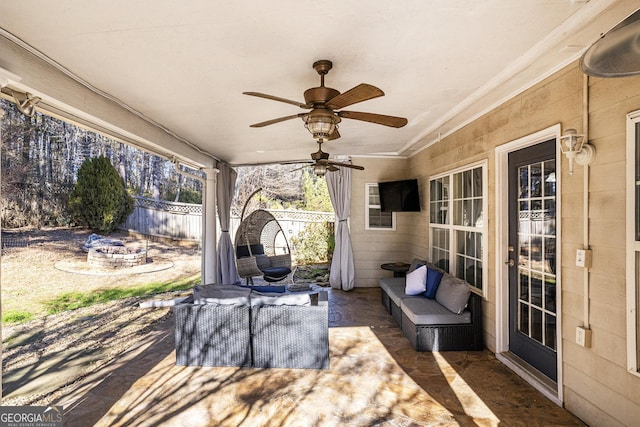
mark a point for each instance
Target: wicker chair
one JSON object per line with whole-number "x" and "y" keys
{"x": 257, "y": 249}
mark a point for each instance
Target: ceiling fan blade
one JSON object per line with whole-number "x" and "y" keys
{"x": 296, "y": 162}
{"x": 334, "y": 135}
{"x": 381, "y": 119}
{"x": 341, "y": 165}
{"x": 278, "y": 120}
{"x": 277, "y": 98}
{"x": 332, "y": 168}
{"x": 362, "y": 92}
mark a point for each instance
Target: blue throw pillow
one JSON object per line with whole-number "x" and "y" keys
{"x": 433, "y": 281}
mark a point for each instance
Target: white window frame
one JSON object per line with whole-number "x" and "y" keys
{"x": 633, "y": 250}
{"x": 484, "y": 230}
{"x": 367, "y": 206}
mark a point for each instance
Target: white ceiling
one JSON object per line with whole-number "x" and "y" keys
{"x": 185, "y": 64}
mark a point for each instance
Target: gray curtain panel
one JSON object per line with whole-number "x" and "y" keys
{"x": 342, "y": 275}
{"x": 227, "y": 272}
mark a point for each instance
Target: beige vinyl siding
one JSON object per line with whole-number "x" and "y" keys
{"x": 374, "y": 247}
{"x": 596, "y": 385}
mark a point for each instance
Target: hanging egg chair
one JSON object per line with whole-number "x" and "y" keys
{"x": 261, "y": 246}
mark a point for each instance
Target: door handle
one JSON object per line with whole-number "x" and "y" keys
{"x": 510, "y": 262}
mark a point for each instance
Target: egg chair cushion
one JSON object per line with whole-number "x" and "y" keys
{"x": 275, "y": 274}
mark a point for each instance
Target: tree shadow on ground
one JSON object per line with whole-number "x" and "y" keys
{"x": 375, "y": 378}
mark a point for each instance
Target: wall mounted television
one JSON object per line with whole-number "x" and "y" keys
{"x": 399, "y": 196}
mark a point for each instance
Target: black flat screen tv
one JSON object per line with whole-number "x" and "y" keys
{"x": 399, "y": 196}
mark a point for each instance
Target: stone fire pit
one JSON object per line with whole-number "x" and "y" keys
{"x": 116, "y": 257}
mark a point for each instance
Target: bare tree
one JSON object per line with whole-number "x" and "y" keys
{"x": 41, "y": 157}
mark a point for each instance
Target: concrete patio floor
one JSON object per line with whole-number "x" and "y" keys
{"x": 375, "y": 379}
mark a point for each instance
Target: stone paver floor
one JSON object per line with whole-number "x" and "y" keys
{"x": 375, "y": 378}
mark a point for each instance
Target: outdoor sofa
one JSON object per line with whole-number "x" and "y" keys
{"x": 447, "y": 317}
{"x": 228, "y": 325}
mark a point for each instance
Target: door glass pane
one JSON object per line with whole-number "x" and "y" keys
{"x": 549, "y": 177}
{"x": 523, "y": 312}
{"x": 536, "y": 180}
{"x": 524, "y": 288}
{"x": 536, "y": 324}
{"x": 550, "y": 331}
{"x": 537, "y": 252}
{"x": 550, "y": 296}
{"x": 536, "y": 292}
{"x": 550, "y": 217}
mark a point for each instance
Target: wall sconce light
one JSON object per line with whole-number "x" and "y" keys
{"x": 576, "y": 149}
{"x": 25, "y": 102}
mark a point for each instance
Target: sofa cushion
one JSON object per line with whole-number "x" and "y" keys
{"x": 260, "y": 299}
{"x": 275, "y": 274}
{"x": 453, "y": 293}
{"x": 389, "y": 282}
{"x": 433, "y": 281}
{"x": 221, "y": 295}
{"x": 424, "y": 311}
{"x": 416, "y": 282}
{"x": 394, "y": 288}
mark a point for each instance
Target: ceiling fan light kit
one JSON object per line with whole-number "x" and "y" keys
{"x": 321, "y": 124}
{"x": 320, "y": 170}
{"x": 321, "y": 163}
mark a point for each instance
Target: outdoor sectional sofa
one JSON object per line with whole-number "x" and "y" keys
{"x": 449, "y": 320}
{"x": 228, "y": 325}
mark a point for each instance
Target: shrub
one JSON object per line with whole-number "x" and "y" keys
{"x": 315, "y": 244}
{"x": 99, "y": 199}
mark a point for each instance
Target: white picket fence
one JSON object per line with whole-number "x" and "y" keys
{"x": 184, "y": 220}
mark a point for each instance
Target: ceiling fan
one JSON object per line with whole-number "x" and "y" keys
{"x": 321, "y": 163}
{"x": 323, "y": 102}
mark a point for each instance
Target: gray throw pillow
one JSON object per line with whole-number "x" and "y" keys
{"x": 417, "y": 262}
{"x": 453, "y": 293}
{"x": 263, "y": 261}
